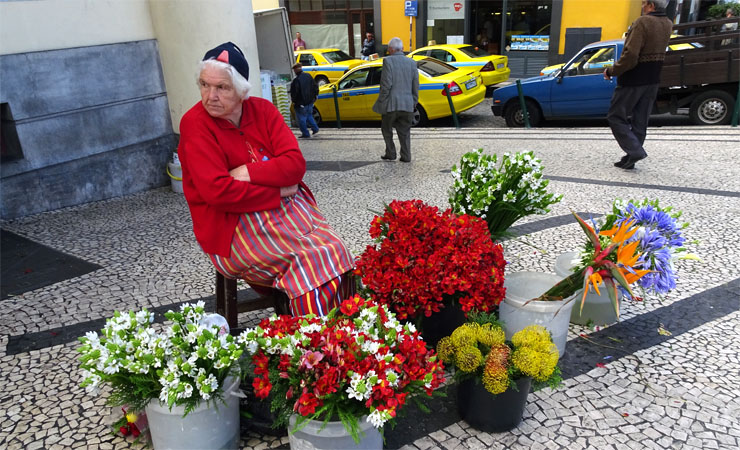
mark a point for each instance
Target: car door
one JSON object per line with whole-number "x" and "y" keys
{"x": 372, "y": 92}
{"x": 581, "y": 89}
{"x": 309, "y": 63}
{"x": 352, "y": 91}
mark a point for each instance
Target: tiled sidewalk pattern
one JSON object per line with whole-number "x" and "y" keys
{"x": 656, "y": 391}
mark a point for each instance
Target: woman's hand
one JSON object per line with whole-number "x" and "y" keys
{"x": 240, "y": 173}
{"x": 288, "y": 191}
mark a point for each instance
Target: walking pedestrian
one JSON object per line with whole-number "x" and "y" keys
{"x": 368, "y": 46}
{"x": 399, "y": 94}
{"x": 303, "y": 92}
{"x": 638, "y": 75}
{"x": 298, "y": 43}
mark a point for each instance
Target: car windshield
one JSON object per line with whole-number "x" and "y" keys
{"x": 473, "y": 52}
{"x": 336, "y": 56}
{"x": 431, "y": 67}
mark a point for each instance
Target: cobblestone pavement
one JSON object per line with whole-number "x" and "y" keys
{"x": 649, "y": 390}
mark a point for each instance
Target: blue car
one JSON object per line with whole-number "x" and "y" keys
{"x": 577, "y": 90}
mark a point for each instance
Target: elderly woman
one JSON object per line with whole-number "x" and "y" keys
{"x": 242, "y": 176}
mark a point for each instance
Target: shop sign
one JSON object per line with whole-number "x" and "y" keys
{"x": 446, "y": 9}
{"x": 530, "y": 42}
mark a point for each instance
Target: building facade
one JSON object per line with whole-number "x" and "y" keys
{"x": 91, "y": 93}
{"x": 532, "y": 33}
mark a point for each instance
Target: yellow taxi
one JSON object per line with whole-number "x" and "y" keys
{"x": 326, "y": 65}
{"x": 358, "y": 90}
{"x": 493, "y": 68}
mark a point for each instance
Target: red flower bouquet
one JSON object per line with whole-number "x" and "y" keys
{"x": 424, "y": 257}
{"x": 357, "y": 361}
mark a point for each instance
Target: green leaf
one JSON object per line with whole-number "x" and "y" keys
{"x": 592, "y": 237}
{"x": 611, "y": 289}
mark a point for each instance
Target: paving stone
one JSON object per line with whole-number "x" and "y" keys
{"x": 425, "y": 443}
{"x": 692, "y": 397}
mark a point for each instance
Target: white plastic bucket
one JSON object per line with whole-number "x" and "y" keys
{"x": 175, "y": 173}
{"x": 597, "y": 309}
{"x": 333, "y": 436}
{"x": 553, "y": 315}
{"x": 212, "y": 425}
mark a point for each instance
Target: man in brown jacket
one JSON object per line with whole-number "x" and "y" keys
{"x": 638, "y": 75}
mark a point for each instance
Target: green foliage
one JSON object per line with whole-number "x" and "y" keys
{"x": 718, "y": 11}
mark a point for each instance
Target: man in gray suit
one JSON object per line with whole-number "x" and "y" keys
{"x": 399, "y": 93}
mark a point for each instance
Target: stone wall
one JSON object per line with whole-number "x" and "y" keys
{"x": 92, "y": 123}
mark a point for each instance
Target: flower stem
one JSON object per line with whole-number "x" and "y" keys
{"x": 565, "y": 287}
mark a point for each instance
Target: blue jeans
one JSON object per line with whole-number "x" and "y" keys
{"x": 303, "y": 114}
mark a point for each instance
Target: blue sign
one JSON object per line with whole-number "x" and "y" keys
{"x": 410, "y": 8}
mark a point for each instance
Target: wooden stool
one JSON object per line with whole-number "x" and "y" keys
{"x": 228, "y": 306}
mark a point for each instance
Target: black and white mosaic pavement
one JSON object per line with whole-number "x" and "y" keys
{"x": 627, "y": 386}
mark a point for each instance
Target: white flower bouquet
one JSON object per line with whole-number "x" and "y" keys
{"x": 183, "y": 364}
{"x": 500, "y": 193}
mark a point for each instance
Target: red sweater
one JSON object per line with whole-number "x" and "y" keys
{"x": 210, "y": 148}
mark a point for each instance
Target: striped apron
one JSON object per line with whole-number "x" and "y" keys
{"x": 291, "y": 248}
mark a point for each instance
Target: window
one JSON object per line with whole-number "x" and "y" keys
{"x": 375, "y": 74}
{"x": 358, "y": 78}
{"x": 591, "y": 61}
{"x": 442, "y": 55}
{"x": 473, "y": 52}
{"x": 433, "y": 68}
{"x": 336, "y": 56}
{"x": 307, "y": 60}
{"x": 10, "y": 145}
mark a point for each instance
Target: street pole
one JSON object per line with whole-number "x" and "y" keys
{"x": 411, "y": 32}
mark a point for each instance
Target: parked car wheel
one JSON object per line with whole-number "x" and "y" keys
{"x": 420, "y": 117}
{"x": 316, "y": 116}
{"x": 712, "y": 108}
{"x": 322, "y": 80}
{"x": 515, "y": 118}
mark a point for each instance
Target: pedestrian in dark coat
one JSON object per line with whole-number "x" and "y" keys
{"x": 303, "y": 92}
{"x": 638, "y": 75}
{"x": 368, "y": 46}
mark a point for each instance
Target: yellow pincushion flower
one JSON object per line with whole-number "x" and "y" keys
{"x": 465, "y": 335}
{"x": 535, "y": 336}
{"x": 490, "y": 336}
{"x": 495, "y": 373}
{"x": 495, "y": 382}
{"x": 468, "y": 358}
{"x": 535, "y": 354}
{"x": 498, "y": 358}
{"x": 445, "y": 349}
{"x": 538, "y": 365}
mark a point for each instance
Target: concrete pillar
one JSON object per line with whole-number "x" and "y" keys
{"x": 185, "y": 30}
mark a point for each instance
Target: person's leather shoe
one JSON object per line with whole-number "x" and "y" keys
{"x": 304, "y": 137}
{"x": 621, "y": 162}
{"x": 387, "y": 158}
{"x": 405, "y": 160}
{"x": 630, "y": 163}
{"x": 314, "y": 132}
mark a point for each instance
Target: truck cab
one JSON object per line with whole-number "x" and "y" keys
{"x": 577, "y": 90}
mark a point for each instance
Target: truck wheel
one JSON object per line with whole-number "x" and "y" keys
{"x": 322, "y": 80}
{"x": 712, "y": 108}
{"x": 316, "y": 116}
{"x": 420, "y": 117}
{"x": 515, "y": 118}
